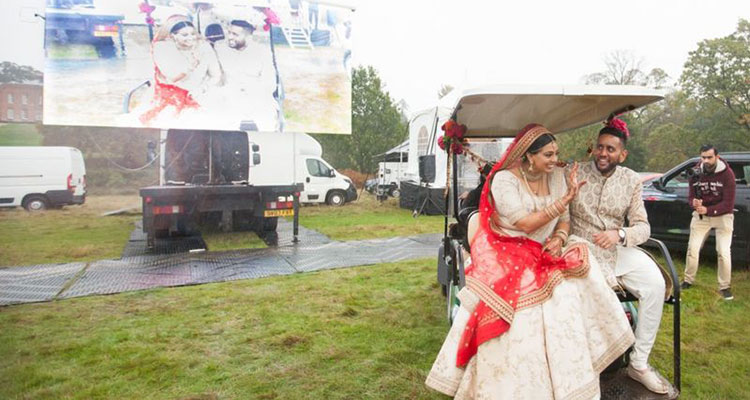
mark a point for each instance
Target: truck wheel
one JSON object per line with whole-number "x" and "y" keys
{"x": 36, "y": 203}
{"x": 270, "y": 224}
{"x": 395, "y": 192}
{"x": 336, "y": 198}
{"x": 105, "y": 48}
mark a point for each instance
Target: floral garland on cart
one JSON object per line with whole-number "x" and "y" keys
{"x": 454, "y": 142}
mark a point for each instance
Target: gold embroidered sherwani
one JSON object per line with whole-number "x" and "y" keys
{"x": 604, "y": 203}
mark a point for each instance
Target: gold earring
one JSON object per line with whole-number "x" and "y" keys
{"x": 531, "y": 166}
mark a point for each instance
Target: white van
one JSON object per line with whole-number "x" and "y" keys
{"x": 323, "y": 183}
{"x": 41, "y": 177}
{"x": 296, "y": 158}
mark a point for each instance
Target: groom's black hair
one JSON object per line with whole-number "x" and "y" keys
{"x": 608, "y": 130}
{"x": 243, "y": 24}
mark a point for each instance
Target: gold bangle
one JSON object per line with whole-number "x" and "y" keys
{"x": 560, "y": 206}
{"x": 562, "y": 235}
{"x": 552, "y": 211}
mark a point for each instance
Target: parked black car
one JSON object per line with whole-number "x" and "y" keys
{"x": 669, "y": 214}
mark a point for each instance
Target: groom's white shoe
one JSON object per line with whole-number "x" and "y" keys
{"x": 648, "y": 378}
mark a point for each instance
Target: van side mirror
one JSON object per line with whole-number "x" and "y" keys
{"x": 255, "y": 148}
{"x": 331, "y": 173}
{"x": 256, "y": 158}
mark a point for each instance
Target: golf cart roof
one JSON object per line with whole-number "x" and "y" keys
{"x": 503, "y": 110}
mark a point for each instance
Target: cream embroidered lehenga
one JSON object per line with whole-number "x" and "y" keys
{"x": 556, "y": 345}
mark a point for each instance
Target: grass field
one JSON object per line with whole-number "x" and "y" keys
{"x": 75, "y": 233}
{"x": 367, "y": 218}
{"x": 356, "y": 333}
{"x": 19, "y": 135}
{"x": 80, "y": 233}
{"x": 220, "y": 241}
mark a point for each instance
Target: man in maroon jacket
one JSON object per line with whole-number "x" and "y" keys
{"x": 712, "y": 197}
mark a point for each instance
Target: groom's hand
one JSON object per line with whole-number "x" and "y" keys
{"x": 606, "y": 239}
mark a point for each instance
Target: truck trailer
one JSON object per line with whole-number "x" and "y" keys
{"x": 238, "y": 179}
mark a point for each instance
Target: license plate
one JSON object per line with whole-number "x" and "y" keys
{"x": 112, "y": 34}
{"x": 278, "y": 213}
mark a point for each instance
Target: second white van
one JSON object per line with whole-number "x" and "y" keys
{"x": 41, "y": 177}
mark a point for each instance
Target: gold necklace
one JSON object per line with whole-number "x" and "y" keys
{"x": 534, "y": 193}
{"x": 538, "y": 179}
{"x": 531, "y": 177}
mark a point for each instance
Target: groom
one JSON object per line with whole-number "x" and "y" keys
{"x": 598, "y": 214}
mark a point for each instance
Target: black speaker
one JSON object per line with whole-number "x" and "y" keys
{"x": 427, "y": 168}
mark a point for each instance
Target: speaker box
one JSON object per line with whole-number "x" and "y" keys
{"x": 427, "y": 168}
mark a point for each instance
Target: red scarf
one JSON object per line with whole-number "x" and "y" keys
{"x": 510, "y": 273}
{"x": 167, "y": 95}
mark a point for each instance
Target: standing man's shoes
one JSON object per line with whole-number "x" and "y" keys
{"x": 726, "y": 294}
{"x": 649, "y": 378}
{"x": 685, "y": 285}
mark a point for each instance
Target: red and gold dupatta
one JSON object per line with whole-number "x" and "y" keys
{"x": 510, "y": 273}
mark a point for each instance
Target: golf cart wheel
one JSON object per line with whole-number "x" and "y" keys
{"x": 336, "y": 198}
{"x": 35, "y": 203}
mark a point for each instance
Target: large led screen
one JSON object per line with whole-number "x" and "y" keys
{"x": 270, "y": 66}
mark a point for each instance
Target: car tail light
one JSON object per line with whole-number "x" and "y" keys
{"x": 106, "y": 28}
{"x": 276, "y": 205}
{"x": 71, "y": 186}
{"x": 166, "y": 210}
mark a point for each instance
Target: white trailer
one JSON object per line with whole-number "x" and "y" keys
{"x": 41, "y": 177}
{"x": 392, "y": 169}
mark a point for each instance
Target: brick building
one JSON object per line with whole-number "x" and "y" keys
{"x": 20, "y": 102}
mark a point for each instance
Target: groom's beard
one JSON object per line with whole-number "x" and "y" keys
{"x": 607, "y": 169}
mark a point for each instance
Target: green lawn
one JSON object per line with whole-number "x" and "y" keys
{"x": 715, "y": 346}
{"x": 80, "y": 233}
{"x": 367, "y": 218}
{"x": 20, "y": 135}
{"x": 220, "y": 241}
{"x": 74, "y": 233}
{"x": 365, "y": 332}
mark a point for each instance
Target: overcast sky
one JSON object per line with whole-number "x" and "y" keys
{"x": 418, "y": 45}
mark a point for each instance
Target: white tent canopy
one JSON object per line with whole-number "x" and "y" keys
{"x": 401, "y": 149}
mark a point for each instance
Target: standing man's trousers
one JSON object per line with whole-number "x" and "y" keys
{"x": 699, "y": 229}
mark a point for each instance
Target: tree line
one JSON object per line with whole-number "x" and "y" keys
{"x": 711, "y": 104}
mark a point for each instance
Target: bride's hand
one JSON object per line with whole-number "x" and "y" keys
{"x": 553, "y": 246}
{"x": 573, "y": 185}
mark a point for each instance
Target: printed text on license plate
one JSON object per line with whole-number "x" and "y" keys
{"x": 278, "y": 213}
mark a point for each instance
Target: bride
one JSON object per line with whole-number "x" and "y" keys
{"x": 537, "y": 319}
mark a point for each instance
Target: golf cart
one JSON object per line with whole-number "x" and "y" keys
{"x": 493, "y": 115}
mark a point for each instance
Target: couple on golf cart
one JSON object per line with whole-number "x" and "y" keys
{"x": 539, "y": 318}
